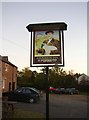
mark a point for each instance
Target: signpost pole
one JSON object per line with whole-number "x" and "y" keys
{"x": 47, "y": 95}
{"x": 55, "y": 53}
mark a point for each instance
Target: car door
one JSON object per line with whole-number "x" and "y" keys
{"x": 26, "y": 94}
{"x": 18, "y": 95}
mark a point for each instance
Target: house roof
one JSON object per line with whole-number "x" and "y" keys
{"x": 5, "y": 59}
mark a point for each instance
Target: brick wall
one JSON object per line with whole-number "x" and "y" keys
{"x": 9, "y": 76}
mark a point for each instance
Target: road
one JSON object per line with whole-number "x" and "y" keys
{"x": 60, "y": 106}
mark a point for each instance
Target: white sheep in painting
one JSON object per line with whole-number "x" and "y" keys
{"x": 48, "y": 49}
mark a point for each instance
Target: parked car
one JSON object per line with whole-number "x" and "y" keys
{"x": 34, "y": 89}
{"x": 71, "y": 91}
{"x": 52, "y": 90}
{"x": 67, "y": 90}
{"x": 24, "y": 94}
{"x": 60, "y": 90}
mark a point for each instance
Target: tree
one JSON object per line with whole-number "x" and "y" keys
{"x": 59, "y": 71}
{"x": 27, "y": 72}
{"x": 57, "y": 78}
{"x": 40, "y": 81}
{"x": 24, "y": 77}
{"x": 70, "y": 81}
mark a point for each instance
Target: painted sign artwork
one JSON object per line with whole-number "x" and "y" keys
{"x": 47, "y": 48}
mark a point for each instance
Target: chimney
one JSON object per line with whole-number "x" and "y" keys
{"x": 5, "y": 58}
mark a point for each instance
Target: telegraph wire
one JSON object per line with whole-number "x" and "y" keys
{"x": 14, "y": 43}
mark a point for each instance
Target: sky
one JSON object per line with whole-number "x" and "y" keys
{"x": 15, "y": 40}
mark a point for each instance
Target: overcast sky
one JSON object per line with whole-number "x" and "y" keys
{"x": 15, "y": 37}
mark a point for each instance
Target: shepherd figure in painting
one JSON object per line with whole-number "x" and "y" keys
{"x": 51, "y": 45}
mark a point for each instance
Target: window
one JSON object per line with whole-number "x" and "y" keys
{"x": 19, "y": 90}
{"x": 6, "y": 67}
{"x": 3, "y": 84}
{"x": 26, "y": 91}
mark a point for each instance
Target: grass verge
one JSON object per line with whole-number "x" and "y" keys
{"x": 19, "y": 113}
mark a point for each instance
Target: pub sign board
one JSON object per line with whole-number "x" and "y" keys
{"x": 47, "y": 44}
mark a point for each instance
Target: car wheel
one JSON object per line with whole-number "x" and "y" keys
{"x": 31, "y": 100}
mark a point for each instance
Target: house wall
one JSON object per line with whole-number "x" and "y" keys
{"x": 9, "y": 76}
{"x": 0, "y": 77}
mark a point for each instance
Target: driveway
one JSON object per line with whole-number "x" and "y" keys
{"x": 60, "y": 106}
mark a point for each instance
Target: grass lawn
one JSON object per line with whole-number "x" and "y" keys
{"x": 84, "y": 93}
{"x": 19, "y": 113}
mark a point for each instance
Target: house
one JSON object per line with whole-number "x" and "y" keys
{"x": 0, "y": 78}
{"x": 9, "y": 74}
{"x": 84, "y": 78}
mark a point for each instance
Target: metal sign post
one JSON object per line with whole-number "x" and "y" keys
{"x": 47, "y": 94}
